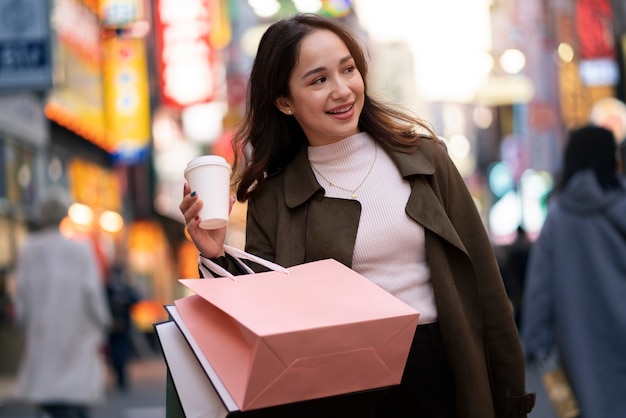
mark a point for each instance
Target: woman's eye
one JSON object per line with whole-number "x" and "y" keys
{"x": 319, "y": 80}
{"x": 350, "y": 69}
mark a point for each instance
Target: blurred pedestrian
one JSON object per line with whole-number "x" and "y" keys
{"x": 610, "y": 113}
{"x": 61, "y": 305}
{"x": 574, "y": 303}
{"x": 513, "y": 259}
{"x": 121, "y": 296}
{"x": 329, "y": 171}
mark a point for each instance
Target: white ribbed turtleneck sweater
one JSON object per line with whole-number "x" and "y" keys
{"x": 389, "y": 248}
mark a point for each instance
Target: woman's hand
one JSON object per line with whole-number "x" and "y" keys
{"x": 210, "y": 243}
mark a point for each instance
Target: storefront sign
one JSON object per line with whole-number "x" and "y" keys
{"x": 120, "y": 12}
{"x": 94, "y": 185}
{"x": 127, "y": 98}
{"x": 77, "y": 104}
{"x": 185, "y": 57}
{"x": 594, "y": 23}
{"x": 77, "y": 101}
{"x": 77, "y": 26}
{"x": 25, "y": 58}
{"x": 599, "y": 72}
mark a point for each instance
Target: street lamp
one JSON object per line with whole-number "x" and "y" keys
{"x": 512, "y": 61}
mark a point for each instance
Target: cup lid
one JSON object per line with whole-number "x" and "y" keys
{"x": 207, "y": 159}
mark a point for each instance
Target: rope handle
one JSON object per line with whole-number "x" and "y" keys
{"x": 239, "y": 254}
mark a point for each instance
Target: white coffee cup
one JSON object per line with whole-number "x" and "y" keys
{"x": 209, "y": 176}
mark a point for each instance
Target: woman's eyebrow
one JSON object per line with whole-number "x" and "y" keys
{"x": 319, "y": 69}
{"x": 313, "y": 71}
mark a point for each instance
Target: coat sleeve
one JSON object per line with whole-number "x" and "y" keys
{"x": 537, "y": 315}
{"x": 257, "y": 243}
{"x": 501, "y": 340}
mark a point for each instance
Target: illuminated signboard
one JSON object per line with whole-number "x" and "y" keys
{"x": 184, "y": 54}
{"x": 25, "y": 57}
{"x": 76, "y": 101}
{"x": 120, "y": 12}
{"x": 594, "y": 22}
{"x": 126, "y": 98}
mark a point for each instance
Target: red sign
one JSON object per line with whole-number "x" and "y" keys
{"x": 185, "y": 58}
{"x": 594, "y": 25}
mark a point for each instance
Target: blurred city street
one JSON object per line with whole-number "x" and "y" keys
{"x": 146, "y": 398}
{"x": 542, "y": 409}
{"x": 105, "y": 103}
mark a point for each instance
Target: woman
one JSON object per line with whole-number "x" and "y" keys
{"x": 330, "y": 172}
{"x": 576, "y": 277}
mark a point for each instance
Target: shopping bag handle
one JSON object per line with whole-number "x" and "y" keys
{"x": 240, "y": 254}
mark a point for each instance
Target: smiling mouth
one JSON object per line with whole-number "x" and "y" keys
{"x": 339, "y": 111}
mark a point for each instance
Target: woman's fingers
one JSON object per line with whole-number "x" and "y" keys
{"x": 190, "y": 205}
{"x": 210, "y": 243}
{"x": 184, "y": 204}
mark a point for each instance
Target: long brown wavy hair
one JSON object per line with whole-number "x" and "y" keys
{"x": 267, "y": 140}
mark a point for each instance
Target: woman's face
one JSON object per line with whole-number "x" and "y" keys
{"x": 326, "y": 89}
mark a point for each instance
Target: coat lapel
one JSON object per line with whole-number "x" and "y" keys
{"x": 331, "y": 224}
{"x": 424, "y": 206}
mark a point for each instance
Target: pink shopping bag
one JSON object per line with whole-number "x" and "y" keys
{"x": 320, "y": 330}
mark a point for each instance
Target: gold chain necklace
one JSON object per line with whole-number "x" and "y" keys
{"x": 351, "y": 191}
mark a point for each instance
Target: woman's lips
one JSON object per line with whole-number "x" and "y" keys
{"x": 343, "y": 112}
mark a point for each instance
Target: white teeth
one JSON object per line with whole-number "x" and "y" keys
{"x": 345, "y": 109}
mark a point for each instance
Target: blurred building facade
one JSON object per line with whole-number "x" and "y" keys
{"x": 109, "y": 99}
{"x": 76, "y": 116}
{"x": 572, "y": 58}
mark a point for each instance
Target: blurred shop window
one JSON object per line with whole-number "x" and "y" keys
{"x": 3, "y": 171}
{"x": 19, "y": 171}
{"x": 7, "y": 250}
{"x": 7, "y": 312}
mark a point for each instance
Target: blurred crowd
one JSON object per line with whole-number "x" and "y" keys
{"x": 76, "y": 324}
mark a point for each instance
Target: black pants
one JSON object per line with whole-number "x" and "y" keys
{"x": 427, "y": 387}
{"x": 120, "y": 352}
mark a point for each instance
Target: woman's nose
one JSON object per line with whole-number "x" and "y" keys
{"x": 340, "y": 87}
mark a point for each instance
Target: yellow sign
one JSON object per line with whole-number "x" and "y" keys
{"x": 77, "y": 103}
{"x": 126, "y": 98}
{"x": 94, "y": 185}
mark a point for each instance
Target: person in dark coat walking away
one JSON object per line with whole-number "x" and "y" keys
{"x": 575, "y": 297}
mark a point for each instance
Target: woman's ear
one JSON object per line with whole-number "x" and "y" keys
{"x": 282, "y": 103}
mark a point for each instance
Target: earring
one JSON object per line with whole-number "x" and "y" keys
{"x": 289, "y": 111}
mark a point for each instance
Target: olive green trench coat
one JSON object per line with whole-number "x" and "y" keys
{"x": 291, "y": 222}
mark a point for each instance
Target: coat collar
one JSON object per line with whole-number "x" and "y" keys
{"x": 301, "y": 184}
{"x": 424, "y": 205}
